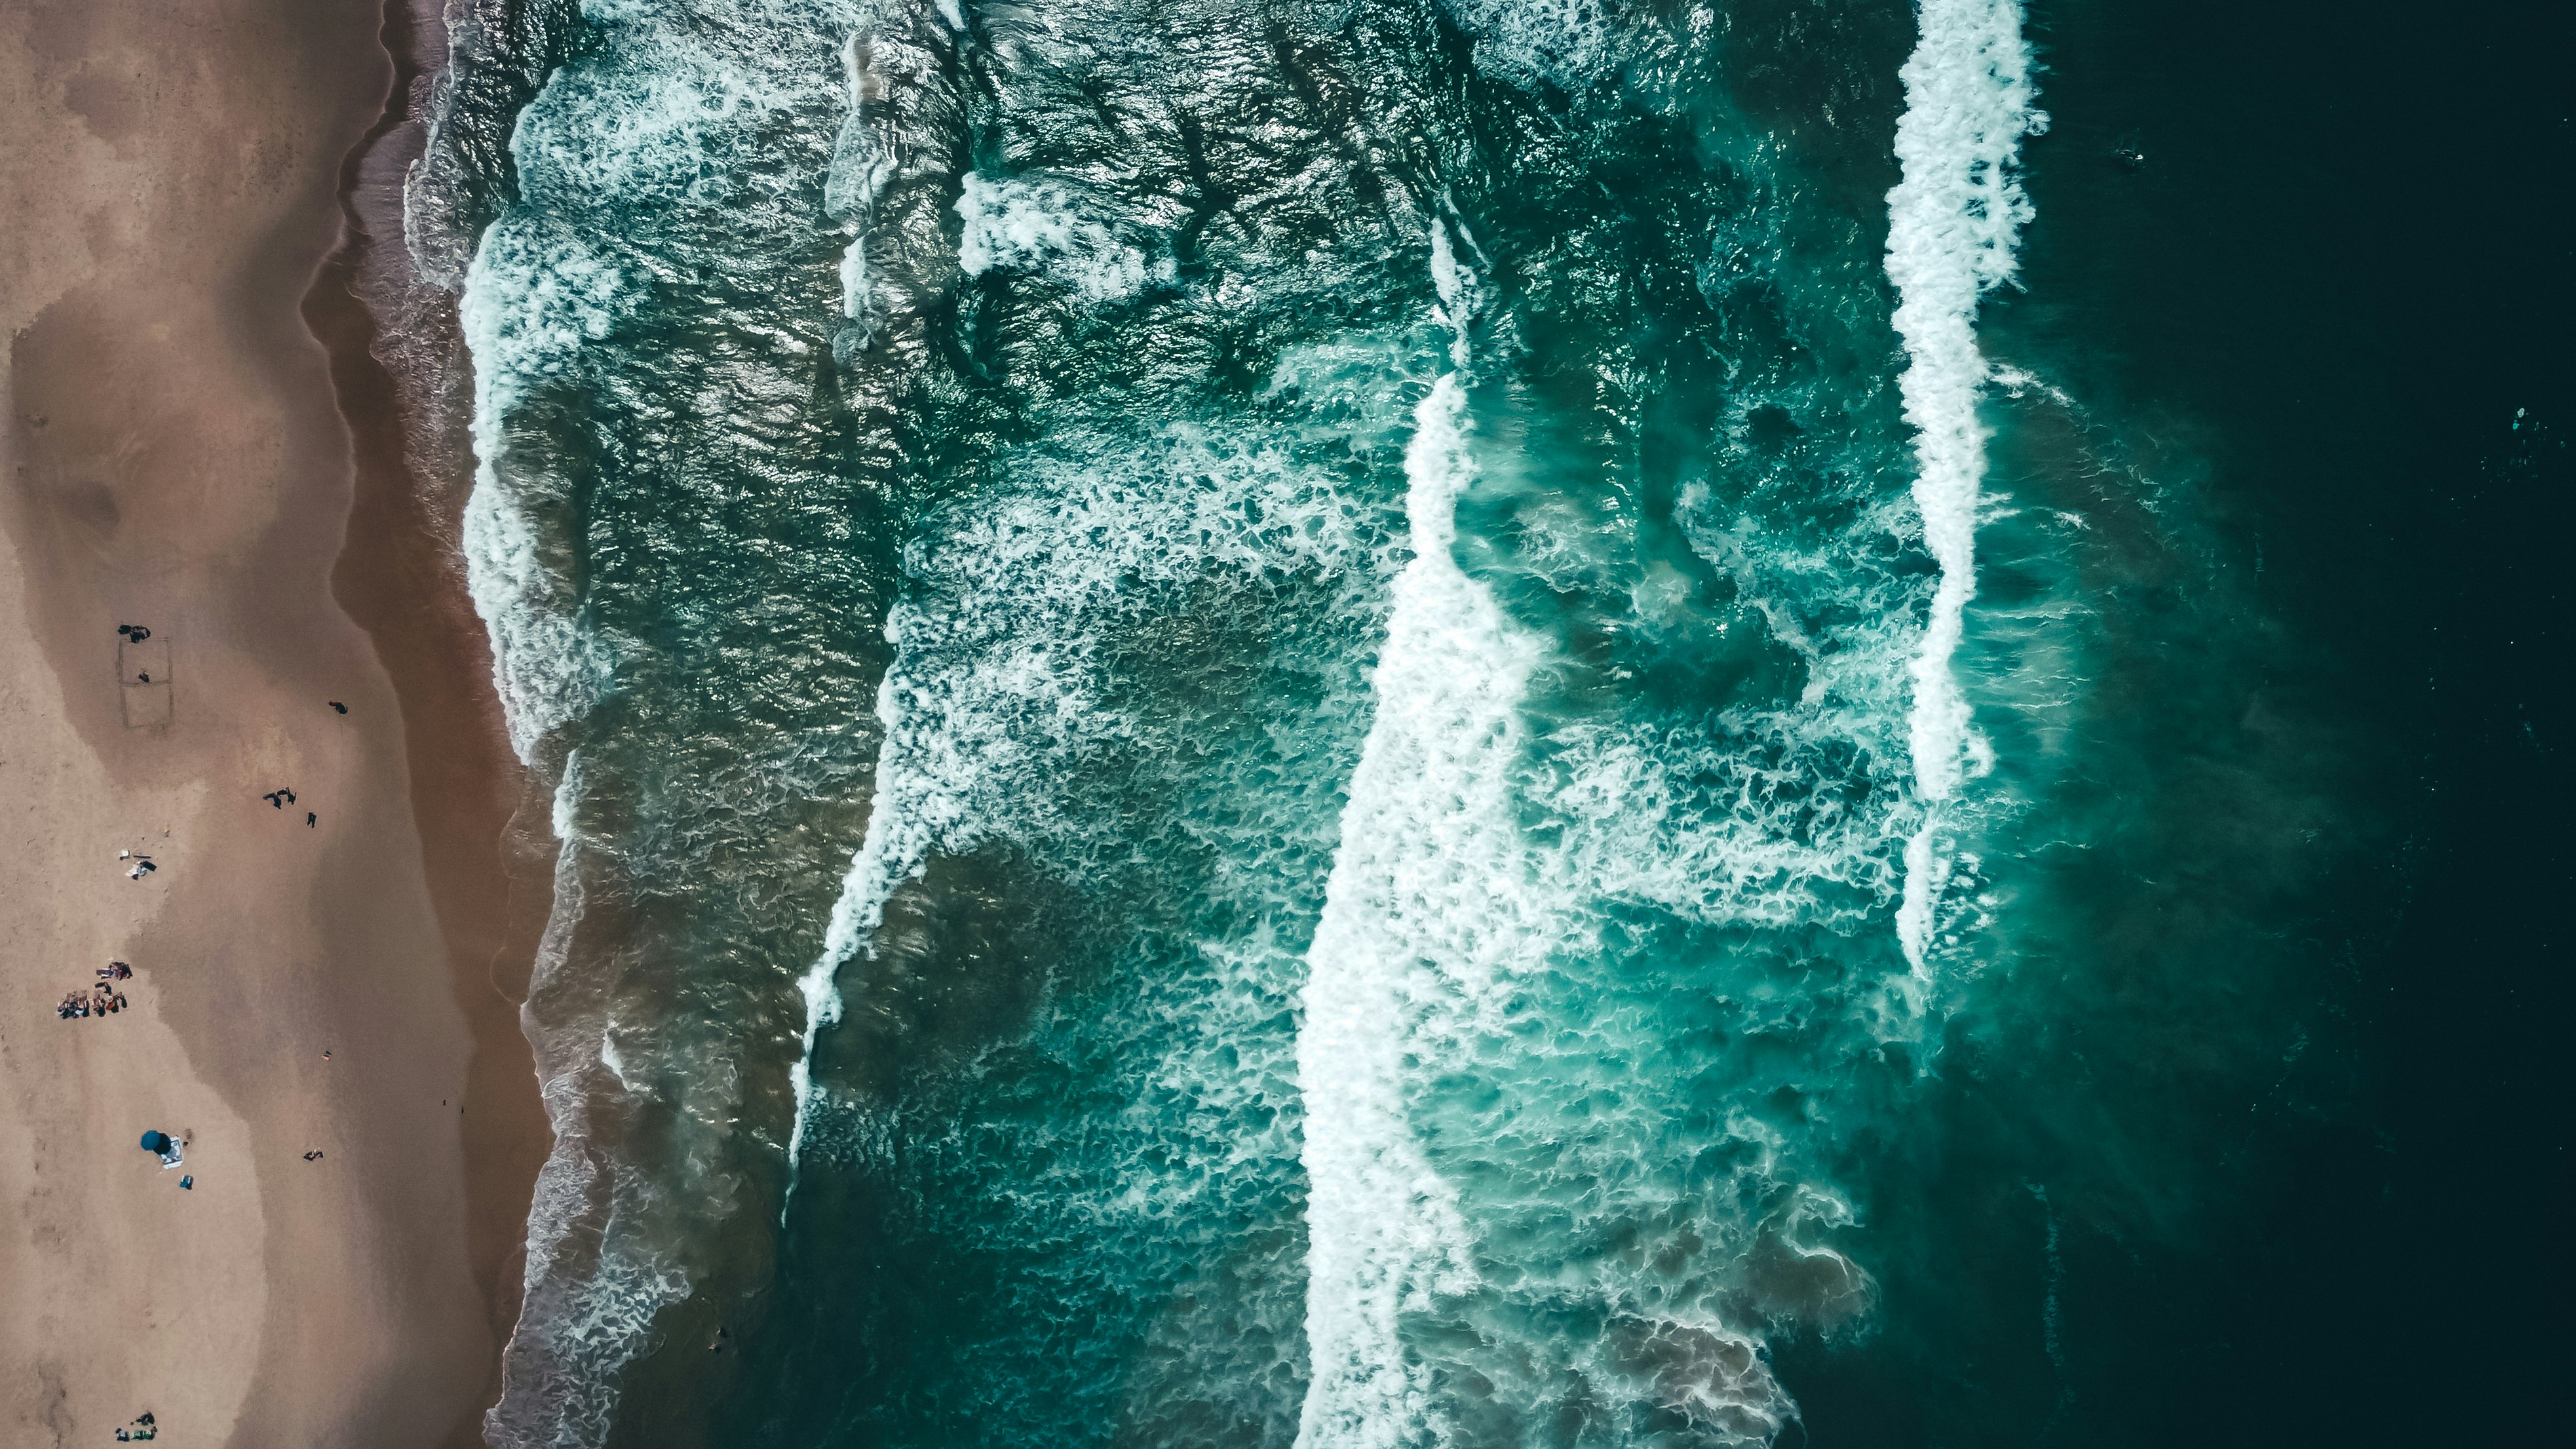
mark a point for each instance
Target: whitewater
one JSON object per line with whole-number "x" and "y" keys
{"x": 1263, "y": 726}
{"x": 1425, "y": 912}
{"x": 1952, "y": 224}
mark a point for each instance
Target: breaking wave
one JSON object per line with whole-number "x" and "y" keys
{"x": 1257, "y": 710}
{"x": 1952, "y": 224}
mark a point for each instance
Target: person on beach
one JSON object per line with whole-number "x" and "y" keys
{"x": 337, "y": 705}
{"x": 308, "y": 819}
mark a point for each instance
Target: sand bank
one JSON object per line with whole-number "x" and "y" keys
{"x": 175, "y": 458}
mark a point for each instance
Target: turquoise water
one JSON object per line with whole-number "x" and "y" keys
{"x": 1371, "y": 725}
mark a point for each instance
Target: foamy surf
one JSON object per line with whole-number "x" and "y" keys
{"x": 1036, "y": 225}
{"x": 996, "y": 695}
{"x": 880, "y": 864}
{"x": 657, "y": 164}
{"x": 1953, "y": 221}
{"x": 1365, "y": 929}
{"x": 1424, "y": 910}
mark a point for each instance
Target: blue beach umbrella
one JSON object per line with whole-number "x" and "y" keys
{"x": 156, "y": 1141}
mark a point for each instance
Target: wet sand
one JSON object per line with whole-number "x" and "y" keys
{"x": 178, "y": 456}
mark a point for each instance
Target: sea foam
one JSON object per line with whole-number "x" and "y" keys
{"x": 1035, "y": 225}
{"x": 1953, "y": 220}
{"x": 1426, "y": 912}
{"x": 535, "y": 295}
{"x": 616, "y": 154}
{"x": 997, "y": 692}
{"x": 1569, "y": 43}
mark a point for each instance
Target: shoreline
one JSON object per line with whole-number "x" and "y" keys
{"x": 200, "y": 439}
{"x": 484, "y": 822}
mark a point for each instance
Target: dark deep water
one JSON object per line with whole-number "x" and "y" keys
{"x": 1295, "y": 985}
{"x": 2349, "y": 1244}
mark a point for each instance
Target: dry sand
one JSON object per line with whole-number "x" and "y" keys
{"x": 176, "y": 457}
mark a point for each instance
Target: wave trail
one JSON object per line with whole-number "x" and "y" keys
{"x": 1420, "y": 916}
{"x": 1953, "y": 220}
{"x": 860, "y": 909}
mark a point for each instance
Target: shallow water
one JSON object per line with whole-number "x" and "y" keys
{"x": 1398, "y": 724}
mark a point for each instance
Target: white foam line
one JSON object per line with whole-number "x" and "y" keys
{"x": 1376, "y": 1211}
{"x": 1427, "y": 908}
{"x": 1953, "y": 219}
{"x": 886, "y": 855}
{"x": 1029, "y": 224}
{"x": 862, "y": 166}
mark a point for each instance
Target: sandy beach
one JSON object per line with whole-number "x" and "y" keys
{"x": 185, "y": 453}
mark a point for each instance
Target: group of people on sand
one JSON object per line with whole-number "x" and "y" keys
{"x": 136, "y": 634}
{"x": 100, "y": 999}
{"x": 281, "y": 797}
{"x": 104, "y": 999}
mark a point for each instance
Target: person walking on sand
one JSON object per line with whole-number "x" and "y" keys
{"x": 308, "y": 819}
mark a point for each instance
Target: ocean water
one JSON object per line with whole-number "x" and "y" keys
{"x": 1367, "y": 725}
